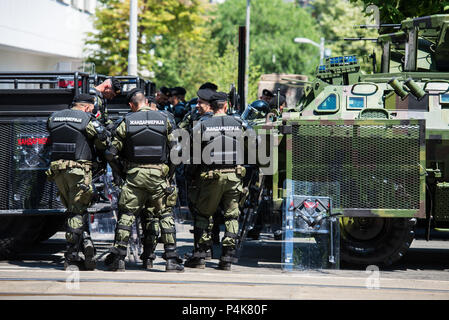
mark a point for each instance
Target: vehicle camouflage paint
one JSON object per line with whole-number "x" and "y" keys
{"x": 378, "y": 144}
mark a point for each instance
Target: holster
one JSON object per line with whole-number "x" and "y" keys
{"x": 50, "y": 175}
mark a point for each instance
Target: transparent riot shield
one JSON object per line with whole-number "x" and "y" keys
{"x": 102, "y": 224}
{"x": 311, "y": 237}
{"x": 135, "y": 247}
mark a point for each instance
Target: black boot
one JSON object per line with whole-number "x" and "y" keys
{"x": 197, "y": 233}
{"x": 115, "y": 260}
{"x": 226, "y": 259}
{"x": 90, "y": 262}
{"x": 72, "y": 260}
{"x": 198, "y": 258}
{"x": 174, "y": 263}
{"x": 148, "y": 255}
{"x": 209, "y": 254}
{"x": 147, "y": 260}
{"x": 147, "y": 264}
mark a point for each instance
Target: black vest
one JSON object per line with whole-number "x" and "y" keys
{"x": 146, "y": 137}
{"x": 68, "y": 135}
{"x": 223, "y": 138}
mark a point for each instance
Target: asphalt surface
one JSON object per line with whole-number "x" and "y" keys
{"x": 38, "y": 273}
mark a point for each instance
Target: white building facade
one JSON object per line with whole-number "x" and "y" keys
{"x": 44, "y": 35}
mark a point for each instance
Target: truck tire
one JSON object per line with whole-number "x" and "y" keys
{"x": 19, "y": 232}
{"x": 375, "y": 241}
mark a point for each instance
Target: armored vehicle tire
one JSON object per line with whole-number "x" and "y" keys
{"x": 17, "y": 232}
{"x": 377, "y": 241}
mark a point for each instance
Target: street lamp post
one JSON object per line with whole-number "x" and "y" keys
{"x": 320, "y": 45}
{"x": 248, "y": 14}
{"x": 132, "y": 55}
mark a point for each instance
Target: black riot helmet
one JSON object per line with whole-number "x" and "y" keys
{"x": 256, "y": 110}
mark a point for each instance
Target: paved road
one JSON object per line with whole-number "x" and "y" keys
{"x": 38, "y": 274}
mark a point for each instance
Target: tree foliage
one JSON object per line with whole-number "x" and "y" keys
{"x": 108, "y": 46}
{"x": 394, "y": 11}
{"x": 338, "y": 19}
{"x": 273, "y": 26}
{"x": 175, "y": 47}
{"x": 188, "y": 42}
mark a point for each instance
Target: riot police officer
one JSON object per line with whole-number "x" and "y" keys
{"x": 192, "y": 171}
{"x": 258, "y": 109}
{"x": 178, "y": 106}
{"x": 200, "y": 110}
{"x": 75, "y": 136}
{"x": 277, "y": 104}
{"x": 267, "y": 95}
{"x": 144, "y": 139}
{"x": 162, "y": 99}
{"x": 220, "y": 178}
{"x": 151, "y": 223}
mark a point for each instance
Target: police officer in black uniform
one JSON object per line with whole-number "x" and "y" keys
{"x": 178, "y": 105}
{"x": 162, "y": 99}
{"x": 195, "y": 114}
{"x": 144, "y": 139}
{"x": 221, "y": 174}
{"x": 267, "y": 95}
{"x": 75, "y": 137}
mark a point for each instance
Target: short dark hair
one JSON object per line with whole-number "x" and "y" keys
{"x": 178, "y": 92}
{"x": 217, "y": 105}
{"x": 137, "y": 98}
{"x": 165, "y": 90}
{"x": 218, "y": 100}
{"x": 84, "y": 98}
{"x": 116, "y": 85}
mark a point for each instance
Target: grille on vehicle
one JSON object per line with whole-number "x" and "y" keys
{"x": 442, "y": 203}
{"x": 23, "y": 161}
{"x": 360, "y": 164}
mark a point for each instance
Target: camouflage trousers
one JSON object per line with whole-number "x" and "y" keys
{"x": 156, "y": 222}
{"x": 218, "y": 188}
{"x": 75, "y": 191}
{"x": 147, "y": 189}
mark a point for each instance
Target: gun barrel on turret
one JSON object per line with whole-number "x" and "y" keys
{"x": 378, "y": 26}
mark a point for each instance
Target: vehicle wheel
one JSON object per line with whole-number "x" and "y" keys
{"x": 18, "y": 232}
{"x": 6, "y": 248}
{"x": 375, "y": 241}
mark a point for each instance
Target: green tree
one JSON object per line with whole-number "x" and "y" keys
{"x": 274, "y": 25}
{"x": 108, "y": 44}
{"x": 338, "y": 19}
{"x": 191, "y": 63}
{"x": 394, "y": 11}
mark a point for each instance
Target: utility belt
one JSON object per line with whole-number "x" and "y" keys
{"x": 132, "y": 165}
{"x": 62, "y": 165}
{"x": 69, "y": 164}
{"x": 159, "y": 166}
{"x": 215, "y": 172}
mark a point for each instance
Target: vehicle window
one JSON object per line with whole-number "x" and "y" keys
{"x": 330, "y": 104}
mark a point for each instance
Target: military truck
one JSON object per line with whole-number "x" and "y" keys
{"x": 30, "y": 210}
{"x": 377, "y": 144}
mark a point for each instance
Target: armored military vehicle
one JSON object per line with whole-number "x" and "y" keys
{"x": 30, "y": 210}
{"x": 377, "y": 144}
